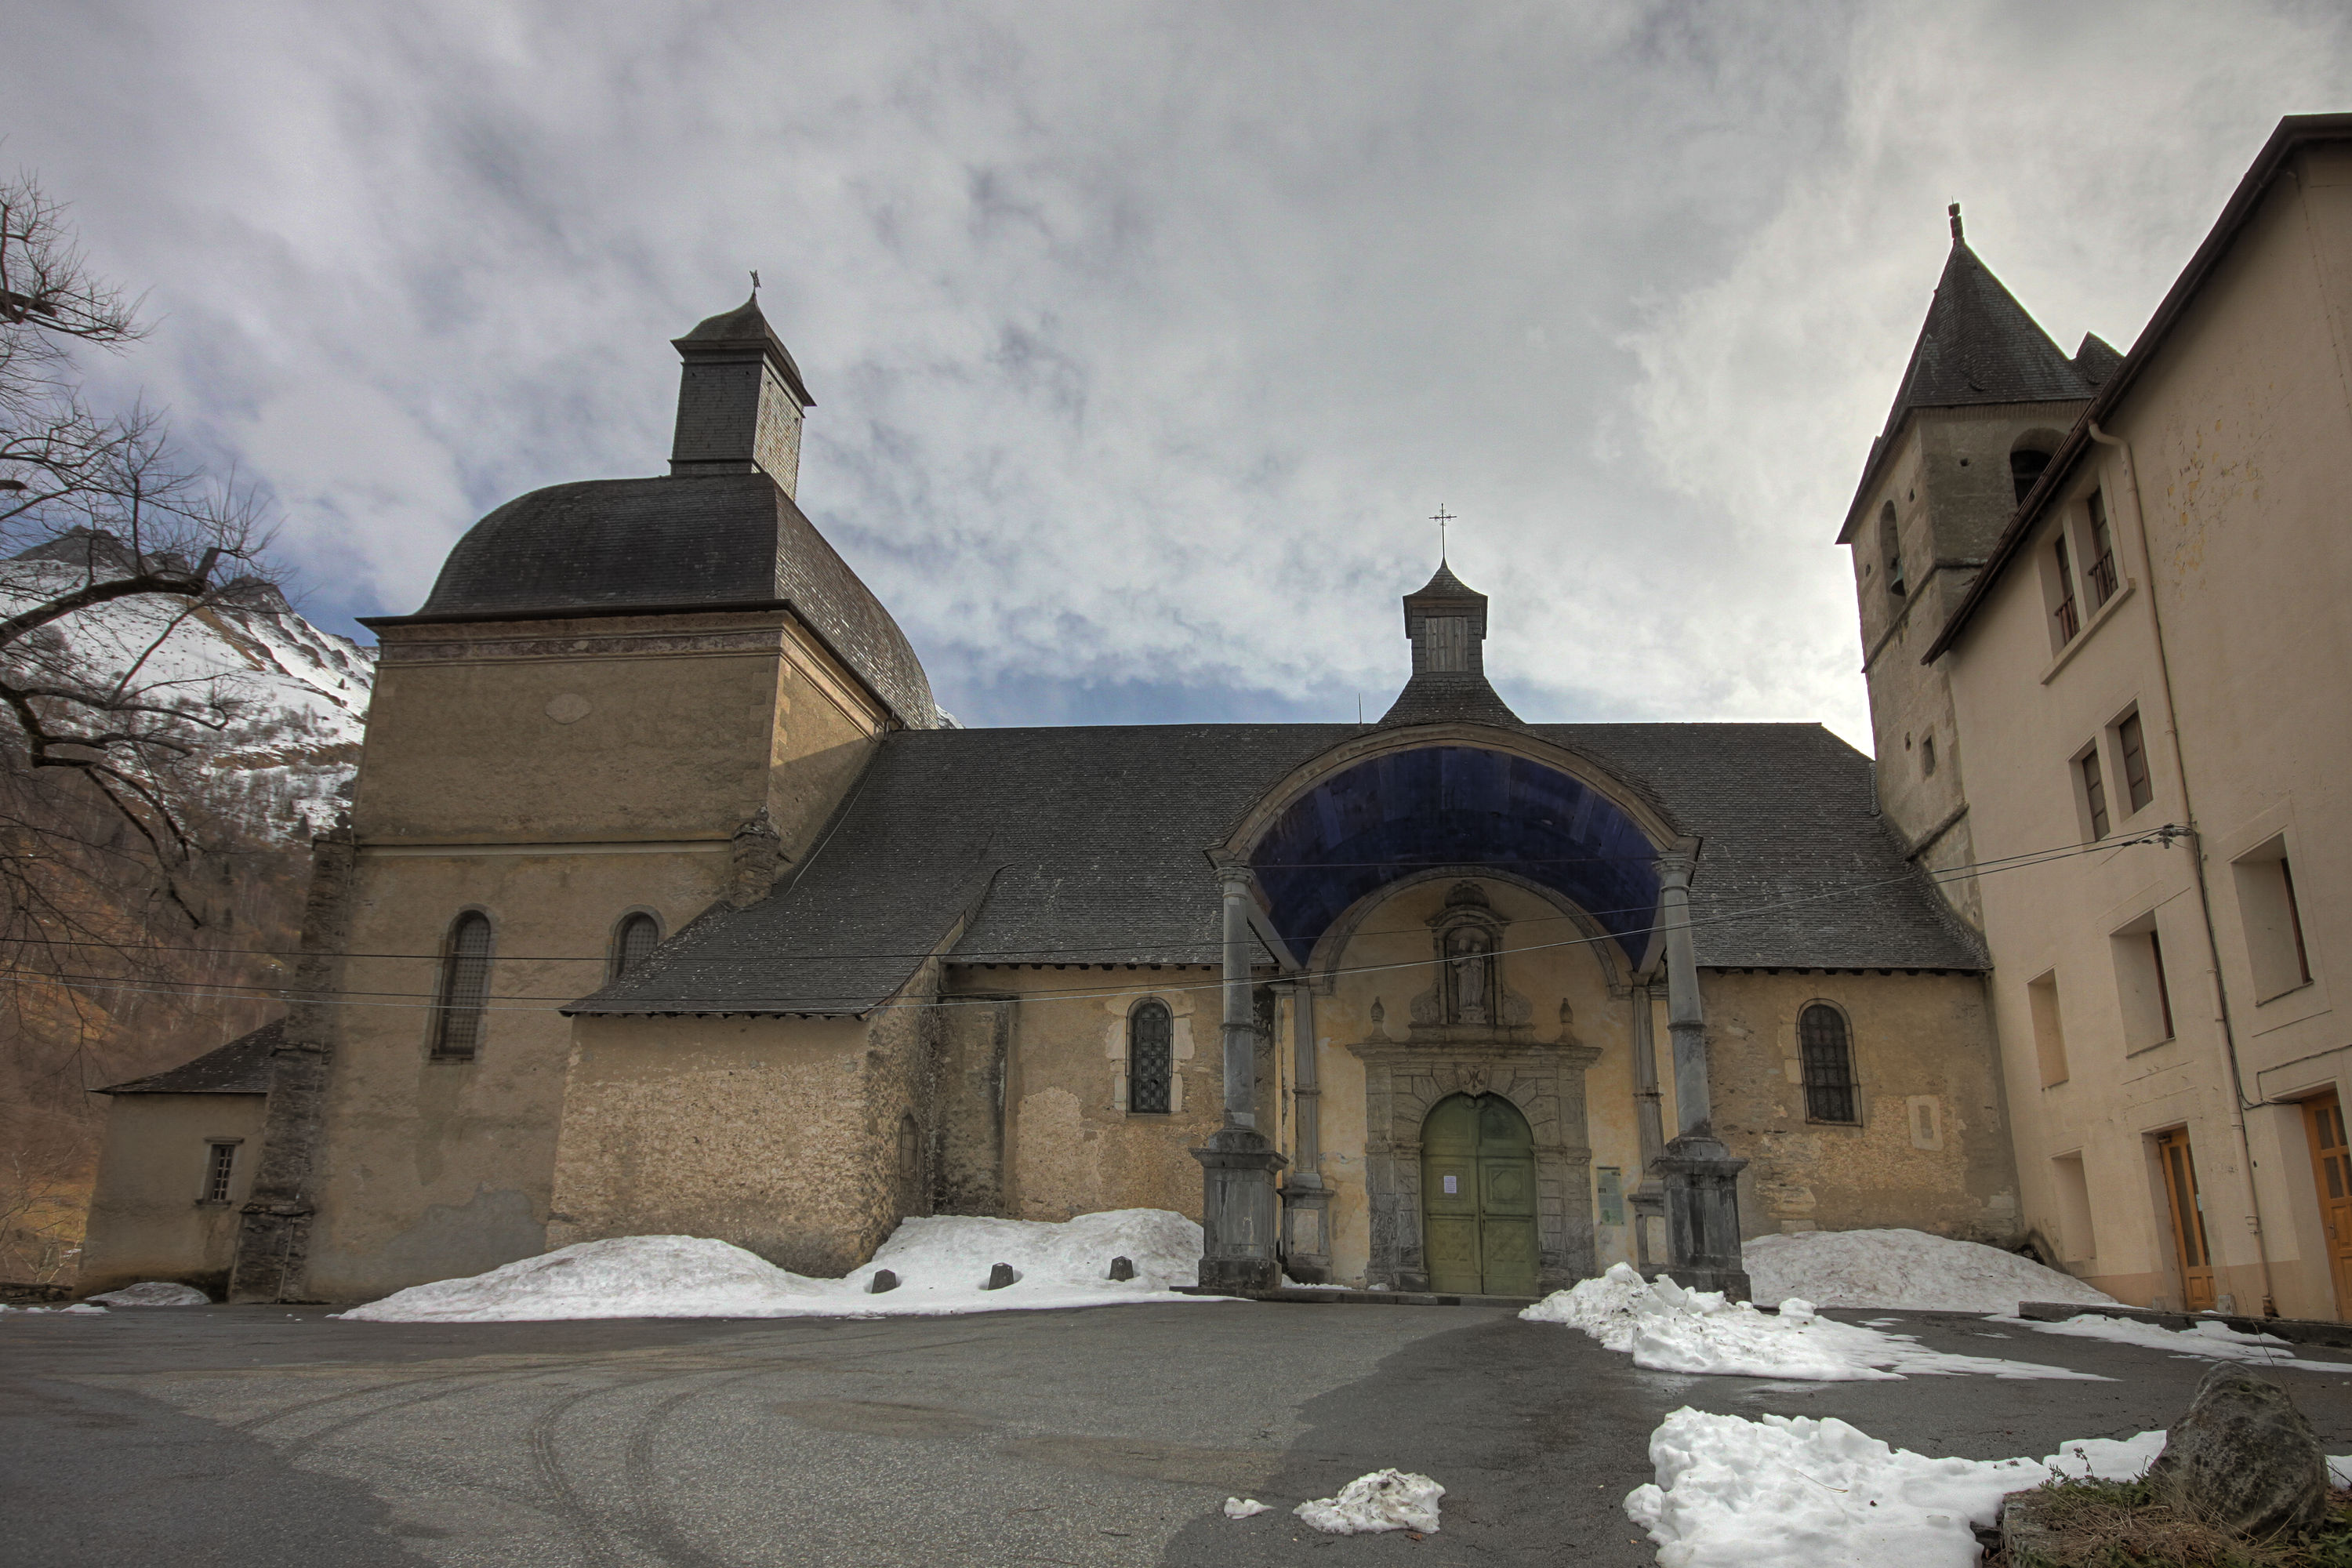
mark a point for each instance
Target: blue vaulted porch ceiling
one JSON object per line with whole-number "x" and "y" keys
{"x": 1395, "y": 816}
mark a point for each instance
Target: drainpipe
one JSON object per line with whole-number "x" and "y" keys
{"x": 2238, "y": 1101}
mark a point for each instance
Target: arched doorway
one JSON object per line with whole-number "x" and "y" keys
{"x": 1479, "y": 1196}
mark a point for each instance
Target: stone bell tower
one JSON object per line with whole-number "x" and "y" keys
{"x": 1985, "y": 400}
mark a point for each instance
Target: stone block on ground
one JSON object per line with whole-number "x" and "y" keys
{"x": 999, "y": 1277}
{"x": 2243, "y": 1459}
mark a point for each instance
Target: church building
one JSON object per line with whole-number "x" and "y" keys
{"x": 727, "y": 930}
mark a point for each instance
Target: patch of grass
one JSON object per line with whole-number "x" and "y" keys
{"x": 2117, "y": 1524}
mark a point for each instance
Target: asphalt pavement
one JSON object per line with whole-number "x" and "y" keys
{"x": 1108, "y": 1436}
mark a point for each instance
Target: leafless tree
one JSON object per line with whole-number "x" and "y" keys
{"x": 108, "y": 513}
{"x": 120, "y": 875}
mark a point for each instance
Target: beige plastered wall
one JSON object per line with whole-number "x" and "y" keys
{"x": 150, "y": 1217}
{"x": 2240, "y": 440}
{"x": 556, "y": 776}
{"x": 1931, "y": 1148}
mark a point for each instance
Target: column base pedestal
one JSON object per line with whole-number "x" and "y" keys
{"x": 1307, "y": 1230}
{"x": 1237, "y": 1210}
{"x": 1702, "y": 1183}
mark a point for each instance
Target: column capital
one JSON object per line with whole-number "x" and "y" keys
{"x": 1233, "y": 874}
{"x": 1675, "y": 863}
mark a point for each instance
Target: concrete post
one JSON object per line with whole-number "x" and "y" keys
{"x": 1305, "y": 1213}
{"x": 1238, "y": 1164}
{"x": 1701, "y": 1175}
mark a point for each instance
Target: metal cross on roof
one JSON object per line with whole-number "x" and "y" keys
{"x": 1441, "y": 517}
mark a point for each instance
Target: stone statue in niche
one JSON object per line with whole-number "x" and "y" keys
{"x": 1469, "y": 963}
{"x": 1467, "y": 993}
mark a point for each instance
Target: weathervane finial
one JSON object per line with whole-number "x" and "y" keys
{"x": 755, "y": 280}
{"x": 1441, "y": 517}
{"x": 1954, "y": 211}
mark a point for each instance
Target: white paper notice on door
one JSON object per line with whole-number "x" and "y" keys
{"x": 1449, "y": 1182}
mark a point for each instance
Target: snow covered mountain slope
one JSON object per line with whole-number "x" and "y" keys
{"x": 294, "y": 698}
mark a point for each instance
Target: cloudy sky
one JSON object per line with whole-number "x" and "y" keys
{"x": 1145, "y": 337}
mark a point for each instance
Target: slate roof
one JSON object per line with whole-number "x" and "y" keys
{"x": 1086, "y": 845}
{"x": 1436, "y": 698}
{"x": 745, "y": 326}
{"x": 240, "y": 1067}
{"x": 1979, "y": 346}
{"x": 700, "y": 541}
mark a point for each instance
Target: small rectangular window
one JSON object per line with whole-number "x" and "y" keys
{"x": 2094, "y": 791}
{"x": 2142, "y": 988}
{"x": 2069, "y": 619}
{"x": 217, "y": 1173}
{"x": 2275, "y": 947}
{"x": 2134, "y": 743}
{"x": 2102, "y": 571}
{"x": 2049, "y": 1036}
{"x": 1928, "y": 757}
{"x": 2077, "y": 1239}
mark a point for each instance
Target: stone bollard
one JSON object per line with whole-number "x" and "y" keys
{"x": 883, "y": 1280}
{"x": 999, "y": 1277}
{"x": 1123, "y": 1268}
{"x": 2243, "y": 1458}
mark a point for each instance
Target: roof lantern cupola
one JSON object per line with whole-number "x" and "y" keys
{"x": 1445, "y": 620}
{"x": 740, "y": 400}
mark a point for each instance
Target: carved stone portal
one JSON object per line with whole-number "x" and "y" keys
{"x": 1471, "y": 1034}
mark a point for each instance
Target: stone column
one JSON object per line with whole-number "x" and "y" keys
{"x": 1648, "y": 1199}
{"x": 1307, "y": 1203}
{"x": 1701, "y": 1175}
{"x": 1238, "y": 1164}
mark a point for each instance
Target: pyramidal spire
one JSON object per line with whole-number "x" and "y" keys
{"x": 1978, "y": 345}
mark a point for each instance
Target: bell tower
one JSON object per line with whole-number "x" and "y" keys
{"x": 740, "y": 400}
{"x": 1985, "y": 400}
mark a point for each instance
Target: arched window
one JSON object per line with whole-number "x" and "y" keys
{"x": 464, "y": 988}
{"x": 632, "y": 940}
{"x": 1829, "y": 1064}
{"x": 1890, "y": 545}
{"x": 911, "y": 1151}
{"x": 1150, "y": 1057}
{"x": 2025, "y": 468}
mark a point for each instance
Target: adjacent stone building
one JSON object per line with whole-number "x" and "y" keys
{"x": 706, "y": 920}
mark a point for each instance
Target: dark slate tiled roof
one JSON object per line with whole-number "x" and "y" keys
{"x": 240, "y": 1067}
{"x": 745, "y": 325}
{"x": 1089, "y": 843}
{"x": 611, "y": 545}
{"x": 1978, "y": 345}
{"x": 1432, "y": 698}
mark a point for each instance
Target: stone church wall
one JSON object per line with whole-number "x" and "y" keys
{"x": 1073, "y": 1147}
{"x": 1931, "y": 1150}
{"x": 758, "y": 1132}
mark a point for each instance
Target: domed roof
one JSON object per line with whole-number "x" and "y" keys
{"x": 705, "y": 541}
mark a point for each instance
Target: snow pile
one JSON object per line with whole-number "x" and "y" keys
{"x": 155, "y": 1293}
{"x": 942, "y": 1263}
{"x": 1794, "y": 1492}
{"x": 1905, "y": 1268}
{"x": 82, "y": 1308}
{"x": 2214, "y": 1340}
{"x": 1244, "y": 1508}
{"x": 1385, "y": 1499}
{"x": 1665, "y": 1328}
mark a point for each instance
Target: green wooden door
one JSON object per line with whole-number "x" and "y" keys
{"x": 1478, "y": 1197}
